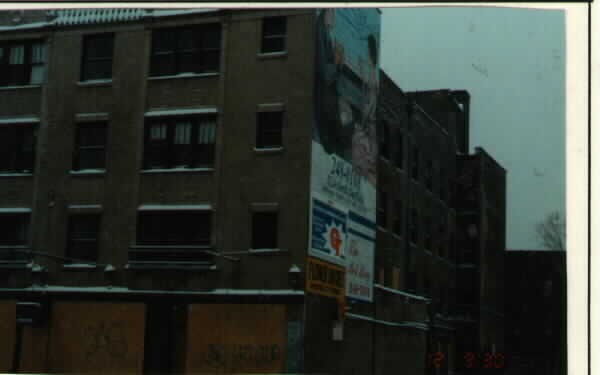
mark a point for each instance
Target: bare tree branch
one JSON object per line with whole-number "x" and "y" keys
{"x": 551, "y": 232}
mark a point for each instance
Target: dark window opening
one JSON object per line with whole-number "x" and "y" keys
{"x": 414, "y": 173}
{"x": 442, "y": 242}
{"x": 90, "y": 146}
{"x": 399, "y": 160}
{"x": 382, "y": 209}
{"x": 174, "y": 228}
{"x": 427, "y": 232}
{"x": 269, "y": 129}
{"x": 14, "y": 229}
{"x": 22, "y": 63}
{"x": 414, "y": 226}
{"x": 264, "y": 230}
{"x": 193, "y": 49}
{"x": 180, "y": 143}
{"x": 398, "y": 217}
{"x": 273, "y": 34}
{"x": 384, "y": 137}
{"x": 429, "y": 175}
{"x": 97, "y": 57}
{"x": 83, "y": 237}
{"x": 17, "y": 148}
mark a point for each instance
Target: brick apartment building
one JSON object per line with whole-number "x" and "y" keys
{"x": 481, "y": 190}
{"x": 161, "y": 209}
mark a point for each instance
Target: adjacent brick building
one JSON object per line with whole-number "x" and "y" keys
{"x": 156, "y": 200}
{"x": 536, "y": 312}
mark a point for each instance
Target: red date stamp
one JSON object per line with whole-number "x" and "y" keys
{"x": 471, "y": 360}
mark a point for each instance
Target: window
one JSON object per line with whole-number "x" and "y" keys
{"x": 442, "y": 241}
{"x": 415, "y": 164}
{"x": 441, "y": 186}
{"x": 269, "y": 129}
{"x": 414, "y": 226}
{"x": 429, "y": 174}
{"x": 264, "y": 230}
{"x": 428, "y": 237}
{"x": 192, "y": 49}
{"x": 179, "y": 142}
{"x": 399, "y": 159}
{"x": 398, "y": 217}
{"x": 22, "y": 63}
{"x": 90, "y": 146}
{"x": 14, "y": 229}
{"x": 83, "y": 237}
{"x": 273, "y": 35}
{"x": 17, "y": 148}
{"x": 382, "y": 209}
{"x": 97, "y": 57}
{"x": 174, "y": 228}
{"x": 384, "y": 137}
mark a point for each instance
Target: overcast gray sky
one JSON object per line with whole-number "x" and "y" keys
{"x": 512, "y": 62}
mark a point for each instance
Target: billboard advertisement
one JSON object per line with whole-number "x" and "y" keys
{"x": 344, "y": 144}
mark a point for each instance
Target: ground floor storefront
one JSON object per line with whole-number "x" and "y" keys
{"x": 158, "y": 334}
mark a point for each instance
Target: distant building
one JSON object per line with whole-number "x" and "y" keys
{"x": 230, "y": 191}
{"x": 536, "y": 312}
{"x": 481, "y": 202}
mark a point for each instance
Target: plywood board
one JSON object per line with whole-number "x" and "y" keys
{"x": 231, "y": 338}
{"x": 8, "y": 324}
{"x": 97, "y": 337}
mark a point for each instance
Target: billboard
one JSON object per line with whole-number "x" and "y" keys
{"x": 344, "y": 144}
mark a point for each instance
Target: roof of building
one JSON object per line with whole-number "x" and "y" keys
{"x": 88, "y": 16}
{"x": 534, "y": 250}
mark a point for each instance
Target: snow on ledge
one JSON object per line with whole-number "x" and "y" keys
{"x": 15, "y": 210}
{"x": 265, "y": 251}
{"x": 175, "y": 207}
{"x": 176, "y": 170}
{"x": 88, "y": 171}
{"x": 19, "y": 120}
{"x": 416, "y": 325}
{"x": 184, "y": 75}
{"x": 181, "y": 112}
{"x": 85, "y": 207}
{"x": 405, "y": 294}
{"x": 180, "y": 12}
{"x": 16, "y": 174}
{"x": 79, "y": 266}
{"x": 114, "y": 289}
{"x": 34, "y": 25}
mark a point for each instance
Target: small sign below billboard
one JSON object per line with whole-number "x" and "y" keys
{"x": 325, "y": 279}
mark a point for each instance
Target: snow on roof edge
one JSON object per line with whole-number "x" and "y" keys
{"x": 124, "y": 290}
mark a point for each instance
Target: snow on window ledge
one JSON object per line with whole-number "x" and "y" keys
{"x": 16, "y": 174}
{"x": 95, "y": 82}
{"x": 88, "y": 172}
{"x": 177, "y": 170}
{"x": 268, "y": 150}
{"x": 271, "y": 55}
{"x": 183, "y": 75}
{"x": 79, "y": 266}
{"x": 265, "y": 251}
{"x": 32, "y": 86}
